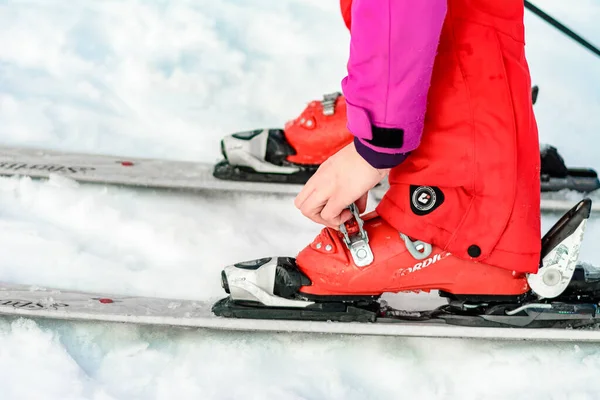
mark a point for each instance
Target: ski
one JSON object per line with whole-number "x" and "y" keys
{"x": 191, "y": 176}
{"x": 51, "y": 303}
{"x": 150, "y": 173}
{"x": 139, "y": 172}
{"x": 264, "y": 296}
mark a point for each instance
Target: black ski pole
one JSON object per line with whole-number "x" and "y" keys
{"x": 562, "y": 28}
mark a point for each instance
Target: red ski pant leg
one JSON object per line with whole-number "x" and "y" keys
{"x": 473, "y": 185}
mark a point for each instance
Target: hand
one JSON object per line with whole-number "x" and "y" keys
{"x": 343, "y": 179}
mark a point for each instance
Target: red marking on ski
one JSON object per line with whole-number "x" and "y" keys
{"x": 105, "y": 301}
{"x": 127, "y": 163}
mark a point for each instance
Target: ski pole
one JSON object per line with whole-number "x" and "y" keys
{"x": 562, "y": 28}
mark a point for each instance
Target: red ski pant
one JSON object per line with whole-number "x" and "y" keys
{"x": 472, "y": 187}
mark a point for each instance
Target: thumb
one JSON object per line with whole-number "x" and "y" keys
{"x": 361, "y": 203}
{"x": 345, "y": 216}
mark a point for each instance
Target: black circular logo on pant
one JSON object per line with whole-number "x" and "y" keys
{"x": 425, "y": 199}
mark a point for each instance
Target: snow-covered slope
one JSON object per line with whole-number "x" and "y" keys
{"x": 168, "y": 79}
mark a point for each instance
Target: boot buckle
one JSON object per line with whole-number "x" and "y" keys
{"x": 357, "y": 240}
{"x": 328, "y": 103}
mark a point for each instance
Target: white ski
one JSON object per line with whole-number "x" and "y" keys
{"x": 36, "y": 302}
{"x": 168, "y": 174}
{"x": 124, "y": 171}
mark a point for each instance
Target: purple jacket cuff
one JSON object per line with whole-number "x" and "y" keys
{"x": 362, "y": 126}
{"x": 376, "y": 159}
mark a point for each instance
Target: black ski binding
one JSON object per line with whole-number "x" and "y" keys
{"x": 555, "y": 176}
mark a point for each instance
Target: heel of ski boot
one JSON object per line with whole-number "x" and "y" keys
{"x": 560, "y": 251}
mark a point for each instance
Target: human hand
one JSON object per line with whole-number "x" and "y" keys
{"x": 343, "y": 179}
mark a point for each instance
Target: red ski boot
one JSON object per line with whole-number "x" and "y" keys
{"x": 370, "y": 259}
{"x": 341, "y": 275}
{"x": 319, "y": 132}
{"x": 293, "y": 154}
{"x": 289, "y": 155}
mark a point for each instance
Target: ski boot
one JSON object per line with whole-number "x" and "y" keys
{"x": 293, "y": 154}
{"x": 555, "y": 176}
{"x": 289, "y": 155}
{"x": 341, "y": 275}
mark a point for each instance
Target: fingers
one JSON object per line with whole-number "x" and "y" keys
{"x": 345, "y": 216}
{"x": 314, "y": 182}
{"x": 361, "y": 203}
{"x": 328, "y": 211}
{"x": 326, "y": 195}
{"x": 313, "y": 212}
{"x": 335, "y": 212}
{"x": 305, "y": 193}
{"x": 322, "y": 208}
{"x": 310, "y": 202}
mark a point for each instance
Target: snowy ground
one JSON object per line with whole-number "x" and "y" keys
{"x": 168, "y": 79}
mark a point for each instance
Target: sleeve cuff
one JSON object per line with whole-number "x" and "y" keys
{"x": 376, "y": 159}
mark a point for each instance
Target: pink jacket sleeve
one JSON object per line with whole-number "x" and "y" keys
{"x": 393, "y": 46}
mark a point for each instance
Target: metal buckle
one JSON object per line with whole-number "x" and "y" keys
{"x": 358, "y": 243}
{"x": 328, "y": 103}
{"x": 418, "y": 249}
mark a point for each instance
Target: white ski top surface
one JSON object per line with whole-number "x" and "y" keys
{"x": 163, "y": 174}
{"x": 36, "y": 302}
{"x": 127, "y": 171}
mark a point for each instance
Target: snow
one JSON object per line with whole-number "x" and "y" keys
{"x": 168, "y": 79}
